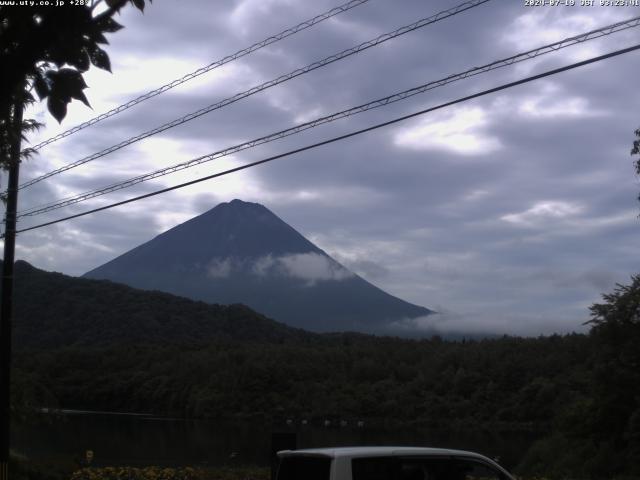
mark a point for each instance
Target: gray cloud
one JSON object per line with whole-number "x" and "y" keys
{"x": 515, "y": 211}
{"x": 309, "y": 267}
{"x": 219, "y": 268}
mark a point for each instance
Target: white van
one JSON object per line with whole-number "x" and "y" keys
{"x": 386, "y": 463}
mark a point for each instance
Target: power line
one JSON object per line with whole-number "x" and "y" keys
{"x": 616, "y": 27}
{"x": 341, "y": 137}
{"x": 281, "y": 79}
{"x": 553, "y": 47}
{"x": 218, "y": 63}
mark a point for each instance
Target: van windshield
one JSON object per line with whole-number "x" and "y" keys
{"x": 304, "y": 468}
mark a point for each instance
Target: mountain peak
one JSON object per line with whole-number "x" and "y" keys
{"x": 237, "y": 204}
{"x": 234, "y": 207}
{"x": 241, "y": 203}
{"x": 241, "y": 252}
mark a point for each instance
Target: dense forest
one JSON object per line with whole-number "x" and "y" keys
{"x": 581, "y": 393}
{"x": 517, "y": 383}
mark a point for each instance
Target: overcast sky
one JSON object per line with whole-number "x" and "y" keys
{"x": 511, "y": 213}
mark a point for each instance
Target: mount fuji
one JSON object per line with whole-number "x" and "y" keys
{"x": 240, "y": 252}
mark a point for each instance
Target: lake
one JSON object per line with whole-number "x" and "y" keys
{"x": 137, "y": 440}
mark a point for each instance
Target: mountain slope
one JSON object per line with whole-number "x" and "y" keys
{"x": 52, "y": 310}
{"x": 241, "y": 252}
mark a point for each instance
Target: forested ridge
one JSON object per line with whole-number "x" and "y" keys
{"x": 53, "y": 310}
{"x": 579, "y": 392}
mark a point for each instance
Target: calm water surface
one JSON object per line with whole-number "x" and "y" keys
{"x": 118, "y": 439}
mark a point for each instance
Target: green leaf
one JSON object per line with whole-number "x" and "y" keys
{"x": 41, "y": 86}
{"x": 66, "y": 84}
{"x": 81, "y": 62}
{"x": 28, "y": 98}
{"x": 100, "y": 58}
{"x": 79, "y": 95}
{"x": 108, "y": 25}
{"x": 73, "y": 77}
{"x": 139, "y": 4}
{"x": 31, "y": 125}
{"x": 57, "y": 108}
{"x": 99, "y": 37}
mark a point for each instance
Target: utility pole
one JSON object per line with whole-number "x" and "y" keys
{"x": 6, "y": 302}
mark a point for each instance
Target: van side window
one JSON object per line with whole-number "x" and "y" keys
{"x": 374, "y": 468}
{"x": 478, "y": 471}
{"x": 416, "y": 468}
{"x": 304, "y": 468}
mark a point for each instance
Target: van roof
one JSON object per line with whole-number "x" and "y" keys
{"x": 377, "y": 451}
